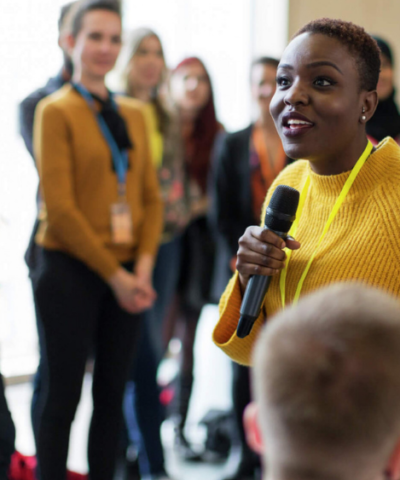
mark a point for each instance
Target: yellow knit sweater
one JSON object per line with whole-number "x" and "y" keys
{"x": 362, "y": 244}
{"x": 78, "y": 184}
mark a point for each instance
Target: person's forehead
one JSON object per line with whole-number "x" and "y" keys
{"x": 263, "y": 71}
{"x": 309, "y": 47}
{"x": 151, "y": 41}
{"x": 101, "y": 19}
{"x": 194, "y": 68}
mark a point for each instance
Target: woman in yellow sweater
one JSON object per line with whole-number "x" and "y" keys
{"x": 100, "y": 228}
{"x": 325, "y": 95}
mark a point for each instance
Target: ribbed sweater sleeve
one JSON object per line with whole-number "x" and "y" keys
{"x": 224, "y": 335}
{"x": 53, "y": 154}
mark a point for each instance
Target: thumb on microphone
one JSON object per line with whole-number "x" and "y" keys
{"x": 292, "y": 244}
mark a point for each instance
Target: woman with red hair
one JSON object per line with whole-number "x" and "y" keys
{"x": 192, "y": 95}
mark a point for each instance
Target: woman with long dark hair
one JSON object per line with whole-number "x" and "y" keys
{"x": 99, "y": 231}
{"x": 192, "y": 95}
{"x": 144, "y": 79}
{"x": 347, "y": 220}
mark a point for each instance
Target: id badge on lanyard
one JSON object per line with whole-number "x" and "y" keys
{"x": 121, "y": 223}
{"x": 120, "y": 211}
{"x": 121, "y": 219}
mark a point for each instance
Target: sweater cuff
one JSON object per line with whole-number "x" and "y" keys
{"x": 107, "y": 269}
{"x": 224, "y": 335}
{"x": 229, "y": 311}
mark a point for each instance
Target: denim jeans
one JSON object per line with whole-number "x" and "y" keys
{"x": 142, "y": 409}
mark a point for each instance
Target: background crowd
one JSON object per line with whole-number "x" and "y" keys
{"x": 153, "y": 162}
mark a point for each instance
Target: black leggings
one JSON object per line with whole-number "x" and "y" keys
{"x": 78, "y": 313}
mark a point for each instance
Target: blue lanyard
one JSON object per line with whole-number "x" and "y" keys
{"x": 120, "y": 159}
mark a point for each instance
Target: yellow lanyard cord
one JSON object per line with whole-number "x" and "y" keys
{"x": 293, "y": 230}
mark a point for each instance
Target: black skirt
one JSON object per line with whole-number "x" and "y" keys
{"x": 197, "y": 265}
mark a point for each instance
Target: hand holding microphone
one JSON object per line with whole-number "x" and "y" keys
{"x": 261, "y": 255}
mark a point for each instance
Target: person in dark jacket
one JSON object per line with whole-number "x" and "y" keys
{"x": 386, "y": 119}
{"x": 28, "y": 105}
{"x": 27, "y": 111}
{"x": 249, "y": 161}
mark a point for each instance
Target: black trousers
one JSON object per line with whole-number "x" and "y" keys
{"x": 7, "y": 434}
{"x": 79, "y": 314}
{"x": 241, "y": 396}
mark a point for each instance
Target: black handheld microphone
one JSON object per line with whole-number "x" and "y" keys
{"x": 281, "y": 213}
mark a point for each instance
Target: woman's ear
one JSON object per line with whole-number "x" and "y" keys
{"x": 252, "y": 428}
{"x": 68, "y": 43}
{"x": 369, "y": 104}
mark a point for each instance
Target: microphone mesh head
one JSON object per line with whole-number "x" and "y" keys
{"x": 284, "y": 200}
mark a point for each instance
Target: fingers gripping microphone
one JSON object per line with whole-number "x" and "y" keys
{"x": 279, "y": 217}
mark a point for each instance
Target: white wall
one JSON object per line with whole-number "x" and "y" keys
{"x": 270, "y": 27}
{"x": 29, "y": 55}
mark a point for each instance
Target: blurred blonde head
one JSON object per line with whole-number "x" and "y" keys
{"x": 145, "y": 69}
{"x": 146, "y": 62}
{"x": 327, "y": 387}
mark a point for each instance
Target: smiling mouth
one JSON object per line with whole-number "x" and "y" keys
{"x": 294, "y": 126}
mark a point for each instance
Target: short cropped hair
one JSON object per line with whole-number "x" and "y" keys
{"x": 328, "y": 371}
{"x": 85, "y": 6}
{"x": 360, "y": 44}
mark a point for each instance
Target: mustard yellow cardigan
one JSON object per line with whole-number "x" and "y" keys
{"x": 78, "y": 184}
{"x": 362, "y": 244}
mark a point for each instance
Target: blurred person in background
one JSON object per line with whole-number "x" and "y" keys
{"x": 326, "y": 388}
{"x": 248, "y": 163}
{"x": 7, "y": 434}
{"x": 144, "y": 77}
{"x": 99, "y": 231}
{"x": 386, "y": 119}
{"x": 26, "y": 117}
{"x": 28, "y": 106}
{"x": 192, "y": 95}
